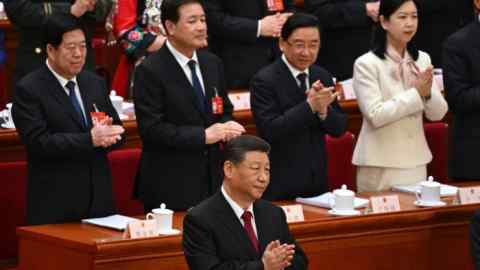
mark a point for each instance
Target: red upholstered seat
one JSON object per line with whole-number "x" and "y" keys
{"x": 13, "y": 178}
{"x": 124, "y": 164}
{"x": 437, "y": 139}
{"x": 339, "y": 165}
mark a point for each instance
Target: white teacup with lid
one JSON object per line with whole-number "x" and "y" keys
{"x": 163, "y": 218}
{"x": 343, "y": 199}
{"x": 429, "y": 191}
{"x": 117, "y": 102}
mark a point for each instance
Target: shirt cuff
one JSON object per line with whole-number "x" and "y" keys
{"x": 259, "y": 28}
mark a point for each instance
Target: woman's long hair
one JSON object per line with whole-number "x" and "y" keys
{"x": 379, "y": 43}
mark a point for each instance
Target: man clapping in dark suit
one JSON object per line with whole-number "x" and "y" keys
{"x": 183, "y": 113}
{"x": 294, "y": 107}
{"x": 68, "y": 172}
{"x": 235, "y": 229}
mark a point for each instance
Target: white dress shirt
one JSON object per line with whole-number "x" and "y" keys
{"x": 295, "y": 72}
{"x": 183, "y": 62}
{"x": 239, "y": 210}
{"x": 63, "y": 82}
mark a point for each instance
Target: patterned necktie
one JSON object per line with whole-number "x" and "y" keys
{"x": 197, "y": 86}
{"x": 247, "y": 220}
{"x": 73, "y": 98}
{"x": 302, "y": 77}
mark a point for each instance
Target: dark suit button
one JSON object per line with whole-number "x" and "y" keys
{"x": 205, "y": 152}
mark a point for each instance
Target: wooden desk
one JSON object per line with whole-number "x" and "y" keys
{"x": 415, "y": 238}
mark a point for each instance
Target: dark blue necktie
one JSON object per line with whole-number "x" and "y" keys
{"x": 302, "y": 77}
{"x": 73, "y": 98}
{"x": 197, "y": 86}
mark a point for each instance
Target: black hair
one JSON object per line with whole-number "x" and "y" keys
{"x": 299, "y": 20}
{"x": 236, "y": 148}
{"x": 169, "y": 9}
{"x": 379, "y": 43}
{"x": 57, "y": 25}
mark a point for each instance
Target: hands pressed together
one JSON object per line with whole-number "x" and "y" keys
{"x": 424, "y": 81}
{"x": 372, "y": 10}
{"x": 277, "y": 256}
{"x": 81, "y": 6}
{"x": 271, "y": 26}
{"x": 223, "y": 132}
{"x": 320, "y": 97}
{"x": 104, "y": 134}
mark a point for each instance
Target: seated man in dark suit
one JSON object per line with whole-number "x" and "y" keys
{"x": 68, "y": 172}
{"x": 461, "y": 67}
{"x": 294, "y": 107}
{"x": 235, "y": 229}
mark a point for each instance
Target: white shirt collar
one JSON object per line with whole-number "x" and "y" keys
{"x": 181, "y": 59}
{"x": 236, "y": 208}
{"x": 63, "y": 81}
{"x": 292, "y": 69}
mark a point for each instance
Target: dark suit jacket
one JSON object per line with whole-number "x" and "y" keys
{"x": 30, "y": 16}
{"x": 437, "y": 20}
{"x": 475, "y": 239}
{"x": 176, "y": 166}
{"x": 214, "y": 238}
{"x": 232, "y": 26}
{"x": 346, "y": 33}
{"x": 284, "y": 119}
{"x": 461, "y": 69}
{"x": 68, "y": 179}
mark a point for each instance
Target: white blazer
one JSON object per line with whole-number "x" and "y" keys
{"x": 392, "y": 132}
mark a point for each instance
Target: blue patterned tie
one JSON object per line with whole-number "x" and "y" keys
{"x": 73, "y": 98}
{"x": 197, "y": 86}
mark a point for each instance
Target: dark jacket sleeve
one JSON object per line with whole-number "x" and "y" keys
{"x": 200, "y": 250}
{"x": 24, "y": 13}
{"x": 300, "y": 261}
{"x": 272, "y": 123}
{"x": 150, "y": 109}
{"x": 334, "y": 14}
{"x": 462, "y": 95}
{"x": 31, "y": 123}
{"x": 475, "y": 239}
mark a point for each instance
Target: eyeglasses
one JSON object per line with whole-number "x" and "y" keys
{"x": 301, "y": 46}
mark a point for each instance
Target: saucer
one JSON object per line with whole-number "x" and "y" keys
{"x": 169, "y": 232}
{"x": 429, "y": 203}
{"x": 344, "y": 212}
{"x": 5, "y": 125}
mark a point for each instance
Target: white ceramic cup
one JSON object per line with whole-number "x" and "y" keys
{"x": 163, "y": 218}
{"x": 343, "y": 199}
{"x": 429, "y": 191}
{"x": 117, "y": 102}
{"x": 8, "y": 116}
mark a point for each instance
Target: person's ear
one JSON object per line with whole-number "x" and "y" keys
{"x": 170, "y": 27}
{"x": 228, "y": 168}
{"x": 383, "y": 22}
{"x": 51, "y": 51}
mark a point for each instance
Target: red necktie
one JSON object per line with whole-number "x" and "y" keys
{"x": 247, "y": 220}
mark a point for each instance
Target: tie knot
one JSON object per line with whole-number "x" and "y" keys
{"x": 70, "y": 86}
{"x": 302, "y": 76}
{"x": 192, "y": 64}
{"x": 247, "y": 216}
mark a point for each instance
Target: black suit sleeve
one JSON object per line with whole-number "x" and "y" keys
{"x": 24, "y": 13}
{"x": 150, "y": 97}
{"x": 231, "y": 27}
{"x": 300, "y": 261}
{"x": 200, "y": 251}
{"x": 271, "y": 122}
{"x": 462, "y": 95}
{"x": 29, "y": 117}
{"x": 338, "y": 15}
{"x": 475, "y": 239}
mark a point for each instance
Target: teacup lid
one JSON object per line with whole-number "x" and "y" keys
{"x": 430, "y": 182}
{"x": 162, "y": 210}
{"x": 113, "y": 96}
{"x": 343, "y": 191}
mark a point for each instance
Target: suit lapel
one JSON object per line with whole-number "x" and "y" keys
{"x": 289, "y": 82}
{"x": 263, "y": 226}
{"x": 178, "y": 76}
{"x": 84, "y": 86}
{"x": 209, "y": 82}
{"x": 230, "y": 220}
{"x": 61, "y": 96}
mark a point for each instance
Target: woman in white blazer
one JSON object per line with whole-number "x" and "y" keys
{"x": 394, "y": 88}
